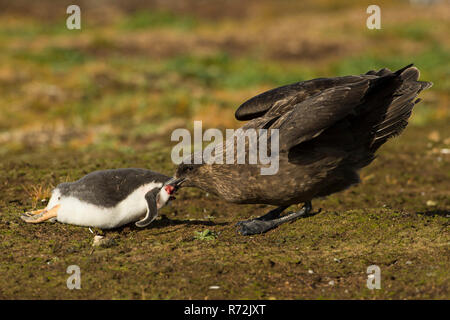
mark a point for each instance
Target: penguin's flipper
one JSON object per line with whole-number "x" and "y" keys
{"x": 152, "y": 210}
{"x": 41, "y": 215}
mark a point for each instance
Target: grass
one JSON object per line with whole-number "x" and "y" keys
{"x": 36, "y": 193}
{"x": 56, "y": 58}
{"x": 433, "y": 60}
{"x": 109, "y": 95}
{"x": 157, "y": 19}
{"x": 205, "y": 235}
{"x": 221, "y": 70}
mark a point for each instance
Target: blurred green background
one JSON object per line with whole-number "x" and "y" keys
{"x": 110, "y": 94}
{"x": 138, "y": 69}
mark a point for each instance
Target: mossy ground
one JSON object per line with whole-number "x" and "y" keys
{"x": 109, "y": 96}
{"x": 384, "y": 221}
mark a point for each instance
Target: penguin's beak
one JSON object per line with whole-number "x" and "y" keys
{"x": 175, "y": 182}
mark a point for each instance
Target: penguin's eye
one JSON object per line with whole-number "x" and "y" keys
{"x": 59, "y": 198}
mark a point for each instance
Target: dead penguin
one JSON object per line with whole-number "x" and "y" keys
{"x": 107, "y": 199}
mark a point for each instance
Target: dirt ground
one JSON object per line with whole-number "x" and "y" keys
{"x": 397, "y": 219}
{"x": 109, "y": 96}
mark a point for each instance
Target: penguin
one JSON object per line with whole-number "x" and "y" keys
{"x": 107, "y": 199}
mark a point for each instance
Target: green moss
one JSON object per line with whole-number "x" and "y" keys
{"x": 58, "y": 58}
{"x": 157, "y": 19}
{"x": 222, "y": 70}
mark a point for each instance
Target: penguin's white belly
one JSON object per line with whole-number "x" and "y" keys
{"x": 75, "y": 211}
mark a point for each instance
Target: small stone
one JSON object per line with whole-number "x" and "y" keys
{"x": 431, "y": 203}
{"x": 214, "y": 287}
{"x": 408, "y": 262}
{"x": 337, "y": 260}
{"x": 310, "y": 271}
{"x": 331, "y": 283}
{"x": 97, "y": 240}
{"x": 434, "y": 136}
{"x": 101, "y": 241}
{"x": 445, "y": 151}
{"x": 369, "y": 177}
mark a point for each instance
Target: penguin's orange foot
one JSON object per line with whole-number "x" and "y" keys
{"x": 32, "y": 213}
{"x": 40, "y": 215}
